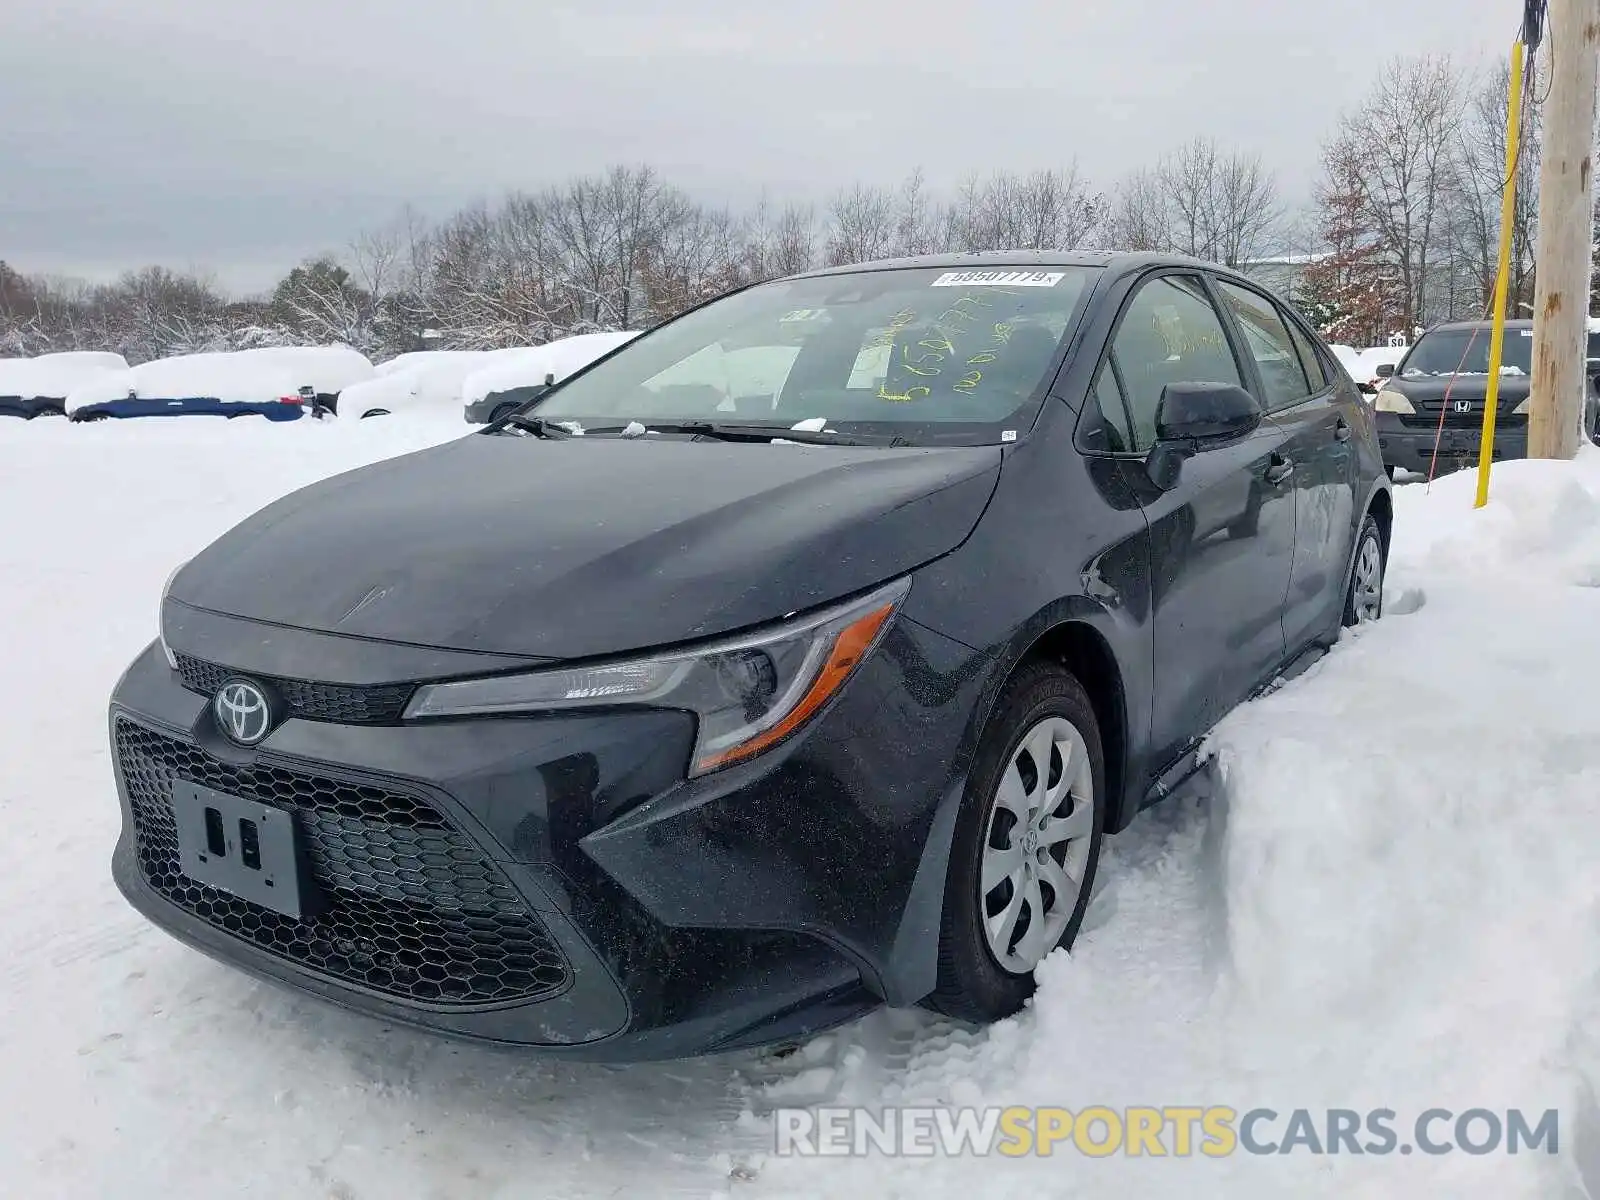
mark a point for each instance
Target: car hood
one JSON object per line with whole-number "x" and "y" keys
{"x": 589, "y": 546}
{"x": 1427, "y": 389}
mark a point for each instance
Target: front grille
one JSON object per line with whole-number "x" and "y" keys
{"x": 413, "y": 909}
{"x": 1427, "y": 417}
{"x": 340, "y": 703}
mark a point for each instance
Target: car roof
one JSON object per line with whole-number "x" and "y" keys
{"x": 1116, "y": 261}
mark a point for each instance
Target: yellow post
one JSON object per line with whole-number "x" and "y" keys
{"x": 1508, "y": 215}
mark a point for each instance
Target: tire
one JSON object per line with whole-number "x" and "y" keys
{"x": 1363, "y": 594}
{"x": 973, "y": 983}
{"x": 1389, "y": 471}
{"x": 501, "y": 413}
{"x": 375, "y": 412}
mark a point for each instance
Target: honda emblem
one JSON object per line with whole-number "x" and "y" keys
{"x": 1463, "y": 405}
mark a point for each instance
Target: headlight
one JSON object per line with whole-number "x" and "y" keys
{"x": 161, "y": 629}
{"x": 1390, "y": 400}
{"x": 748, "y": 693}
{"x": 1524, "y": 408}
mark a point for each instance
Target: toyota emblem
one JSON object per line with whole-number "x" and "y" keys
{"x": 242, "y": 712}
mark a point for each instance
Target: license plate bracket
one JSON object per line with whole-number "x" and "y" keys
{"x": 245, "y": 848}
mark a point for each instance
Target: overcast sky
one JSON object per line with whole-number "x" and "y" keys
{"x": 240, "y": 138}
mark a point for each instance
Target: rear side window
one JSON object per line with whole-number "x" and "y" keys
{"x": 1316, "y": 371}
{"x": 1170, "y": 333}
{"x": 1283, "y": 379}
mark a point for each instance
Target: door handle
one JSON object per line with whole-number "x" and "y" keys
{"x": 1342, "y": 430}
{"x": 1279, "y": 469}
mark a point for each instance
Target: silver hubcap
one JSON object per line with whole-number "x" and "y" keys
{"x": 1367, "y": 587}
{"x": 1037, "y": 845}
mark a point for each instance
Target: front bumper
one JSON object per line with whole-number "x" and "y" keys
{"x": 669, "y": 918}
{"x": 1412, "y": 447}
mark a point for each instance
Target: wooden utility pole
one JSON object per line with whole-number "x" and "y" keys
{"x": 1566, "y": 214}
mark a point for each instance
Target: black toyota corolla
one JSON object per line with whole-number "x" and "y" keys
{"x": 694, "y": 708}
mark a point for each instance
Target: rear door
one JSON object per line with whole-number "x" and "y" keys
{"x": 1222, "y": 540}
{"x": 1302, "y": 398}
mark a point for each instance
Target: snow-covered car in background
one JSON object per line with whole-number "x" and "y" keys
{"x": 497, "y": 390}
{"x": 330, "y": 370}
{"x": 35, "y": 387}
{"x": 280, "y": 384}
{"x": 1350, "y": 359}
{"x": 1375, "y": 364}
{"x": 428, "y": 380}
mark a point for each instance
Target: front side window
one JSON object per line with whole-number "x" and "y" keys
{"x": 924, "y": 355}
{"x": 1267, "y": 340}
{"x": 1170, "y": 333}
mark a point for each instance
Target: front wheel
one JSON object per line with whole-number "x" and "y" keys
{"x": 1026, "y": 844}
{"x": 1363, "y": 601}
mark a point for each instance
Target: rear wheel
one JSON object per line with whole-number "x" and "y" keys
{"x": 1026, "y": 845}
{"x": 1363, "y": 602}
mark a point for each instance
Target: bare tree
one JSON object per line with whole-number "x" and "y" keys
{"x": 1476, "y": 182}
{"x": 1404, "y": 136}
{"x": 1220, "y": 206}
{"x": 1138, "y": 217}
{"x": 862, "y": 226}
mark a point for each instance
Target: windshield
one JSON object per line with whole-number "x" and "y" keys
{"x": 1466, "y": 352}
{"x": 923, "y": 355}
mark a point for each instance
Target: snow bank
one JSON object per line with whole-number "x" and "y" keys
{"x": 53, "y": 376}
{"x": 1390, "y": 898}
{"x": 524, "y": 368}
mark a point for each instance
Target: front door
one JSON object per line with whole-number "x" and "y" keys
{"x": 1222, "y": 539}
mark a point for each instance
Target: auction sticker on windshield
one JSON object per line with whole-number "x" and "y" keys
{"x": 999, "y": 279}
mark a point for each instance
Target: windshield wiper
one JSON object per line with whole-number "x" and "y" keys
{"x": 733, "y": 432}
{"x": 538, "y": 426}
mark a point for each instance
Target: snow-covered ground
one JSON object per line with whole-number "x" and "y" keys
{"x": 1388, "y": 895}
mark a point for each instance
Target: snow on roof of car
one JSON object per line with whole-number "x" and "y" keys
{"x": 55, "y": 375}
{"x": 236, "y": 376}
{"x": 327, "y": 368}
{"x": 526, "y": 367}
{"x": 413, "y": 359}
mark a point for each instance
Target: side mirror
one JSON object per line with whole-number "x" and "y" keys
{"x": 1193, "y": 418}
{"x": 1205, "y": 412}
{"x": 1384, "y": 371}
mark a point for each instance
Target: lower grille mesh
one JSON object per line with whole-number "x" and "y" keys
{"x": 414, "y": 908}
